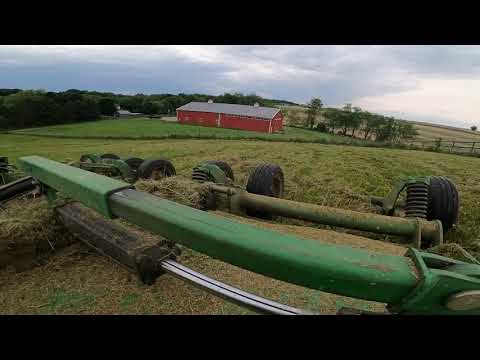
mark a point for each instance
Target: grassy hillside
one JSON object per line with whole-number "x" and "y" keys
{"x": 426, "y": 131}
{"x": 144, "y": 128}
{"x": 79, "y": 281}
{"x": 432, "y": 132}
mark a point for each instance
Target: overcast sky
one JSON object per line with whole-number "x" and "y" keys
{"x": 438, "y": 84}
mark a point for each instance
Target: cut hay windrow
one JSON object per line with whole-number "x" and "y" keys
{"x": 29, "y": 232}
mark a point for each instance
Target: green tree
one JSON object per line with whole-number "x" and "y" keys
{"x": 356, "y": 119}
{"x": 150, "y": 108}
{"x": 345, "y": 117}
{"x": 107, "y": 106}
{"x": 369, "y": 122}
{"x": 386, "y": 129}
{"x": 473, "y": 128}
{"x": 314, "y": 107}
{"x": 406, "y": 131}
{"x": 333, "y": 117}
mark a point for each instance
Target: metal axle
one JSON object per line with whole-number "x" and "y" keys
{"x": 415, "y": 229}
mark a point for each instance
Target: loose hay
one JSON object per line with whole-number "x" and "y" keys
{"x": 29, "y": 231}
{"x": 180, "y": 190}
{"x": 454, "y": 251}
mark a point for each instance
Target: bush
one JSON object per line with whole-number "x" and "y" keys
{"x": 322, "y": 127}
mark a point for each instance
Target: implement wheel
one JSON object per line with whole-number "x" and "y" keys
{"x": 443, "y": 202}
{"x": 89, "y": 158}
{"x": 267, "y": 180}
{"x": 134, "y": 162}
{"x": 224, "y": 166}
{"x": 156, "y": 169}
{"x": 110, "y": 156}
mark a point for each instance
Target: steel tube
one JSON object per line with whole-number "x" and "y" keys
{"x": 332, "y": 268}
{"x": 230, "y": 293}
{"x": 337, "y": 217}
{"x": 16, "y": 187}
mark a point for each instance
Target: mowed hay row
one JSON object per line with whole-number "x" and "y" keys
{"x": 29, "y": 232}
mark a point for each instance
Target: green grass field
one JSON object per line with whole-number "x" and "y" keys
{"x": 144, "y": 128}
{"x": 432, "y": 132}
{"x": 79, "y": 281}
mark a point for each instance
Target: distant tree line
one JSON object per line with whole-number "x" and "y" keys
{"x": 352, "y": 121}
{"x": 31, "y": 108}
{"x": 168, "y": 103}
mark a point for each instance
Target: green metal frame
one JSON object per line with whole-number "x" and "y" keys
{"x": 418, "y": 283}
{"x": 109, "y": 167}
{"x": 213, "y": 172}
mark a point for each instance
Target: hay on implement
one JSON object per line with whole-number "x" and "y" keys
{"x": 181, "y": 190}
{"x": 454, "y": 251}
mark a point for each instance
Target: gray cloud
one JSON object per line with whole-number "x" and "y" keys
{"x": 337, "y": 74}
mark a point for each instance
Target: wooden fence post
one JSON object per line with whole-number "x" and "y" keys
{"x": 473, "y": 147}
{"x": 453, "y": 145}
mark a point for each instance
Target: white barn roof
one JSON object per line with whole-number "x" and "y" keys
{"x": 233, "y": 109}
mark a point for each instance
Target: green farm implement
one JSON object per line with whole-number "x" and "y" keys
{"x": 129, "y": 169}
{"x": 416, "y": 283}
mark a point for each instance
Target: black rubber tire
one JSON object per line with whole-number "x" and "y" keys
{"x": 110, "y": 156}
{"x": 149, "y": 168}
{"x": 443, "y": 202}
{"x": 224, "y": 166}
{"x": 134, "y": 162}
{"x": 268, "y": 180}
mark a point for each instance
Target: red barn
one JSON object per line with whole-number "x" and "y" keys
{"x": 231, "y": 116}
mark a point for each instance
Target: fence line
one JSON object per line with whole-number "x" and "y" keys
{"x": 472, "y": 147}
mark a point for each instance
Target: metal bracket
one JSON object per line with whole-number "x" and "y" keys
{"x": 389, "y": 202}
{"x": 209, "y": 173}
{"x": 440, "y": 286}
